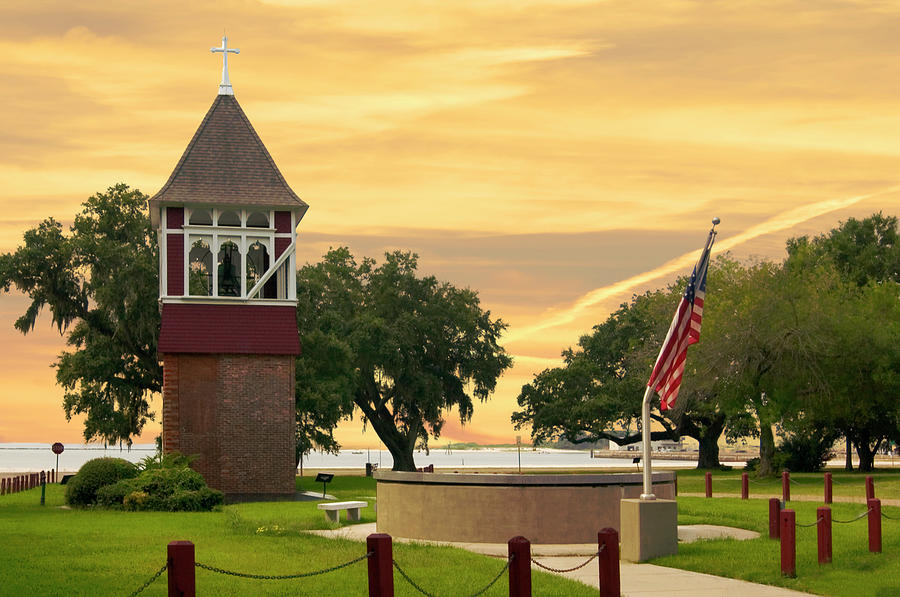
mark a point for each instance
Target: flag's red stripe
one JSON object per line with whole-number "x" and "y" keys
{"x": 672, "y": 340}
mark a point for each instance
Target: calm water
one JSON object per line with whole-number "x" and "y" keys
{"x": 36, "y": 456}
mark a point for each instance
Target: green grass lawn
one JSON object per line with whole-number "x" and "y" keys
{"x": 844, "y": 484}
{"x": 54, "y": 551}
{"x": 854, "y": 571}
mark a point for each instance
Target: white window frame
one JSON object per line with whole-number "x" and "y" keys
{"x": 243, "y": 237}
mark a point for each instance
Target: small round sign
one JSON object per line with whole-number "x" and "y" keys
{"x": 57, "y": 448}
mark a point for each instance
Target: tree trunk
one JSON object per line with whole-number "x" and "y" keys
{"x": 403, "y": 461}
{"x": 866, "y": 455}
{"x": 709, "y": 451}
{"x": 398, "y": 443}
{"x": 400, "y": 449}
{"x": 766, "y": 450}
{"x": 707, "y": 431}
{"x": 848, "y": 461}
{"x": 394, "y": 440}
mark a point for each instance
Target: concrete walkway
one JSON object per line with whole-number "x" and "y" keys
{"x": 638, "y": 580}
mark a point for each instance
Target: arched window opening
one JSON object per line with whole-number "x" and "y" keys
{"x": 229, "y": 218}
{"x": 229, "y": 269}
{"x": 201, "y": 217}
{"x": 258, "y": 220}
{"x": 257, "y": 265}
{"x": 200, "y": 269}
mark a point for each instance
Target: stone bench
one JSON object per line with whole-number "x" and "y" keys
{"x": 333, "y": 510}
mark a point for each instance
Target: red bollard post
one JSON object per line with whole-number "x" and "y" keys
{"x": 3, "y": 486}
{"x": 870, "y": 488}
{"x": 608, "y": 546}
{"x": 520, "y": 567}
{"x": 708, "y": 477}
{"x": 745, "y": 486}
{"x": 786, "y": 486}
{"x": 381, "y": 565}
{"x": 874, "y": 525}
{"x": 774, "y": 518}
{"x": 788, "y": 543}
{"x": 180, "y": 561}
{"x": 827, "y": 488}
{"x": 823, "y": 534}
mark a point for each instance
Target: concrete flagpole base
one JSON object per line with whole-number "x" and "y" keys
{"x": 648, "y": 529}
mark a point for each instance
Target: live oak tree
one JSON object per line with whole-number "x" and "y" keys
{"x": 400, "y": 349}
{"x": 597, "y": 392}
{"x": 861, "y": 363}
{"x": 99, "y": 282}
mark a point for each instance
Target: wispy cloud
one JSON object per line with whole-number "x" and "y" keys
{"x": 783, "y": 221}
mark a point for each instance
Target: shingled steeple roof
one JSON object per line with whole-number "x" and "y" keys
{"x": 227, "y": 163}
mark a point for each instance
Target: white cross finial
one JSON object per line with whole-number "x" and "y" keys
{"x": 225, "y": 85}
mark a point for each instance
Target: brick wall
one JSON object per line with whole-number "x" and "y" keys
{"x": 237, "y": 413}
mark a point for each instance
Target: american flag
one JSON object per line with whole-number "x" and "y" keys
{"x": 684, "y": 331}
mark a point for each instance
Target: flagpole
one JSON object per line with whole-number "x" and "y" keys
{"x": 648, "y": 393}
{"x": 645, "y": 431}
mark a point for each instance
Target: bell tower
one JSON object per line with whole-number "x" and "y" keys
{"x": 226, "y": 221}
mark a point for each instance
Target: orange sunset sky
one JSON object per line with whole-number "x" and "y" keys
{"x": 555, "y": 155}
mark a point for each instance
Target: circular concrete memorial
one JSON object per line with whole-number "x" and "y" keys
{"x": 492, "y": 508}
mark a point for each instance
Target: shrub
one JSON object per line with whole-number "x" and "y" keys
{"x": 210, "y": 498}
{"x": 168, "y": 460}
{"x": 82, "y": 489}
{"x": 806, "y": 453}
{"x": 165, "y": 483}
{"x": 778, "y": 460}
{"x": 173, "y": 489}
{"x": 195, "y": 501}
{"x": 136, "y": 500}
{"x": 112, "y": 496}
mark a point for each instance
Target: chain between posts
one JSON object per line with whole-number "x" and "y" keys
{"x": 820, "y": 519}
{"x": 476, "y": 594}
{"x": 283, "y": 576}
{"x": 883, "y": 515}
{"x": 564, "y": 570}
{"x": 866, "y": 513}
{"x": 150, "y": 581}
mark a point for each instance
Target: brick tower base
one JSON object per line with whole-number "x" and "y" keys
{"x": 235, "y": 412}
